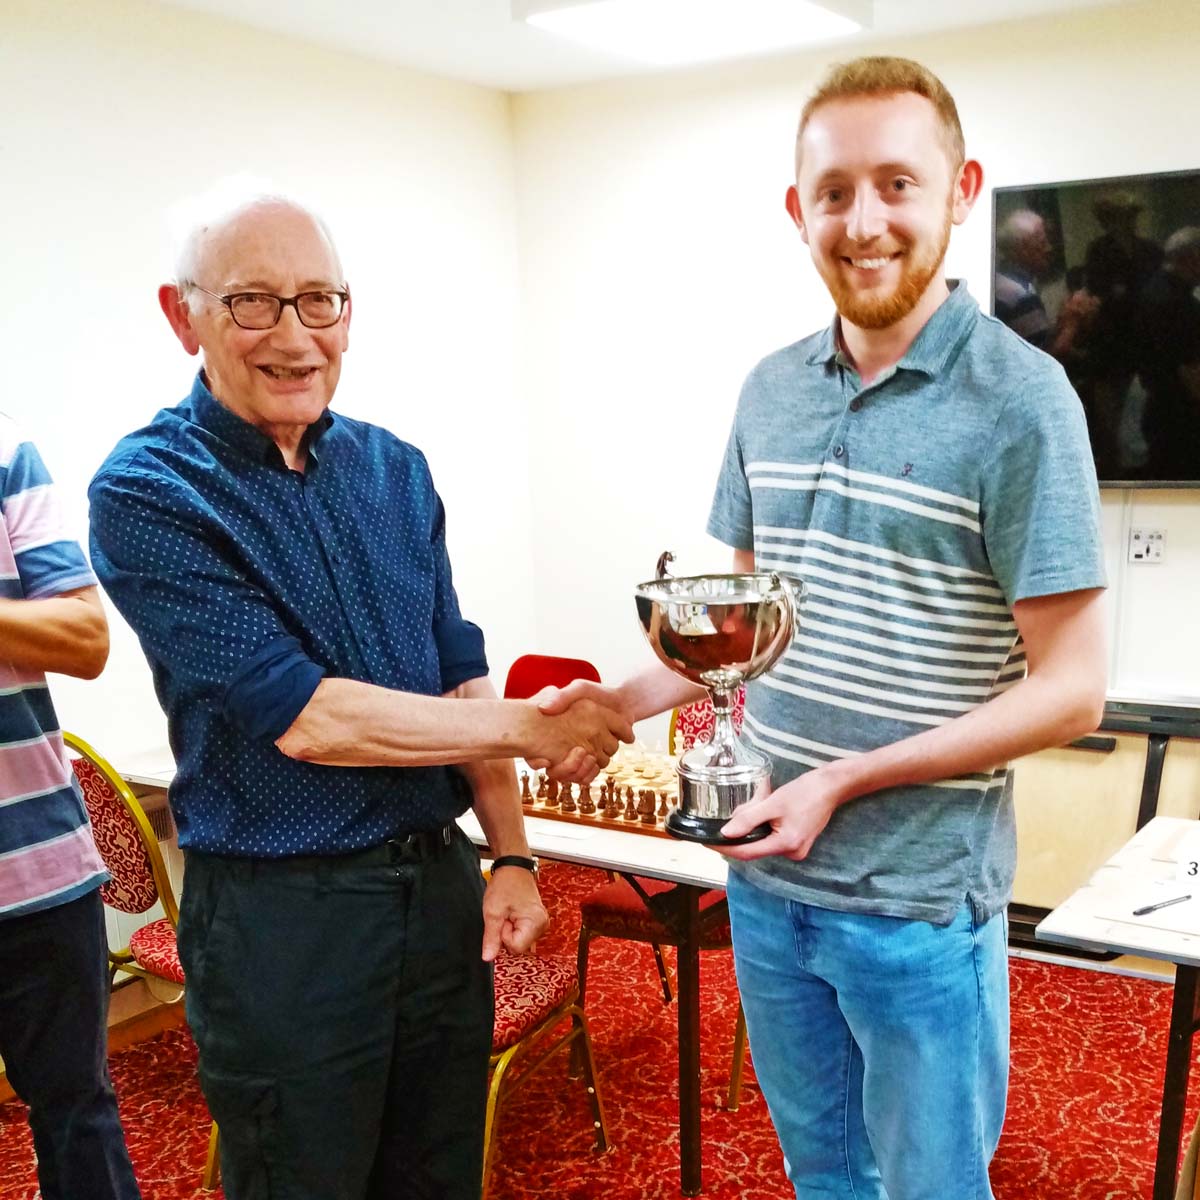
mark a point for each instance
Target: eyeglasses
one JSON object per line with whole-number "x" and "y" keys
{"x": 262, "y": 310}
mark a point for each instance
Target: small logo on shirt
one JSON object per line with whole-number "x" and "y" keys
{"x": 907, "y": 469}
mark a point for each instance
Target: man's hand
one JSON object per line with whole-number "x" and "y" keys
{"x": 576, "y": 736}
{"x": 797, "y": 813}
{"x": 513, "y": 916}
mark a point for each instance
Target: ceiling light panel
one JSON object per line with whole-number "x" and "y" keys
{"x": 672, "y": 32}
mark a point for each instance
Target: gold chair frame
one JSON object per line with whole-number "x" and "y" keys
{"x": 122, "y": 960}
{"x": 504, "y": 1084}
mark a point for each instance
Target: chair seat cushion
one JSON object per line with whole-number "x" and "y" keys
{"x": 616, "y": 910}
{"x": 155, "y": 949}
{"x": 528, "y": 988}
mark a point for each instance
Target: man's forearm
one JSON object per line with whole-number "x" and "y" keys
{"x": 351, "y": 724}
{"x": 496, "y": 803}
{"x": 67, "y": 634}
{"x": 347, "y": 723}
{"x": 1033, "y": 715}
{"x": 655, "y": 690}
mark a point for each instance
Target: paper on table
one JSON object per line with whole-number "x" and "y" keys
{"x": 571, "y": 833}
{"x": 1118, "y": 905}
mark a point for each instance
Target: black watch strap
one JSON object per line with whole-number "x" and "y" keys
{"x": 516, "y": 860}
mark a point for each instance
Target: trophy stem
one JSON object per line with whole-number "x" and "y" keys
{"x": 715, "y": 778}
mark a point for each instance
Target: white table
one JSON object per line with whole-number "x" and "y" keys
{"x": 694, "y": 869}
{"x": 1100, "y": 916}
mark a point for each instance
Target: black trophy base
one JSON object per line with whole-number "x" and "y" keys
{"x": 708, "y": 830}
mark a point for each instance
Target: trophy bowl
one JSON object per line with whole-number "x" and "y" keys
{"x": 718, "y": 631}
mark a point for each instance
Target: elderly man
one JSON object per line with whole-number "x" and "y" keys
{"x": 286, "y": 570}
{"x": 927, "y": 473}
{"x": 53, "y": 949}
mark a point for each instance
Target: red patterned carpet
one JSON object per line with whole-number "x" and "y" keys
{"x": 1083, "y": 1106}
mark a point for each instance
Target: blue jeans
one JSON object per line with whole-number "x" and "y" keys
{"x": 881, "y": 1045}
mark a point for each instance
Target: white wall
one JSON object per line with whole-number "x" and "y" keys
{"x": 658, "y": 265}
{"x": 115, "y": 109}
{"x": 557, "y": 295}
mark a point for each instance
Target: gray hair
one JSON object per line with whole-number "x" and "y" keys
{"x": 193, "y": 220}
{"x": 1016, "y": 228}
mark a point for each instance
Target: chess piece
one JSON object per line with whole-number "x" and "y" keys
{"x": 631, "y": 812}
{"x": 526, "y": 794}
{"x": 543, "y": 787}
{"x": 567, "y": 798}
{"x": 662, "y": 804}
{"x": 646, "y": 807}
{"x": 552, "y": 794}
{"x": 586, "y": 804}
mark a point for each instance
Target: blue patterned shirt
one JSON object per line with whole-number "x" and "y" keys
{"x": 247, "y": 583}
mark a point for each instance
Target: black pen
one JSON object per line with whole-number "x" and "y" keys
{"x": 1141, "y": 912}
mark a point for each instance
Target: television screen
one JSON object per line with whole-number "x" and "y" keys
{"x": 1104, "y": 274}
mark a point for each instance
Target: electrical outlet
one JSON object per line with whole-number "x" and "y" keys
{"x": 1147, "y": 545}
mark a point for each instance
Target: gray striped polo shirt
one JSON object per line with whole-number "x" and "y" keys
{"x": 917, "y": 511}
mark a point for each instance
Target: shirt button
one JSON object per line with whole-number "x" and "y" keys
{"x": 839, "y": 450}
{"x": 855, "y": 405}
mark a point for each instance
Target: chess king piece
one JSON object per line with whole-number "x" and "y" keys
{"x": 718, "y": 631}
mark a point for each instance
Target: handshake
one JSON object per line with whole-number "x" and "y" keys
{"x": 572, "y": 732}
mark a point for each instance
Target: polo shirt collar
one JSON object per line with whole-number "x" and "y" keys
{"x": 932, "y": 348}
{"x": 210, "y": 414}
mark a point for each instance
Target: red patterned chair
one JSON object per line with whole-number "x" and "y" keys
{"x": 617, "y": 910}
{"x": 139, "y": 881}
{"x": 534, "y": 996}
{"x": 532, "y": 672}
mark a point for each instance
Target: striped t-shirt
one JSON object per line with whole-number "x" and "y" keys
{"x": 47, "y": 856}
{"x": 917, "y": 511}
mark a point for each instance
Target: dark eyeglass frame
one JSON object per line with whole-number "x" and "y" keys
{"x": 281, "y": 302}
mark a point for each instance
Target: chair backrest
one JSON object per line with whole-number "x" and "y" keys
{"x": 122, "y": 835}
{"x": 694, "y": 722}
{"x": 532, "y": 672}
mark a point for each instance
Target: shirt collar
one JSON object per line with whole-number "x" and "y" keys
{"x": 209, "y": 413}
{"x": 932, "y": 348}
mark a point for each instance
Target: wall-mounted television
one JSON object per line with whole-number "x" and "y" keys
{"x": 1104, "y": 274}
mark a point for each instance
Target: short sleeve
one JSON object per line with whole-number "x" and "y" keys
{"x": 172, "y": 571}
{"x": 1040, "y": 504}
{"x": 47, "y": 561}
{"x": 731, "y": 518}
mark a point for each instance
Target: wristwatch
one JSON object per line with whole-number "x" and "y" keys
{"x": 516, "y": 860}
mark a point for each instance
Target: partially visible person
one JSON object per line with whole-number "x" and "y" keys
{"x": 1117, "y": 266}
{"x": 1119, "y": 263}
{"x": 53, "y": 948}
{"x": 1023, "y": 255}
{"x": 1169, "y": 347}
{"x": 286, "y": 569}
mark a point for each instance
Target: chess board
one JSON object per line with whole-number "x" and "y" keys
{"x": 634, "y": 792}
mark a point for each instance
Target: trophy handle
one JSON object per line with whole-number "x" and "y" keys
{"x": 660, "y": 571}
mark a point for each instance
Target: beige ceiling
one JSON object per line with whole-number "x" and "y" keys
{"x": 477, "y": 41}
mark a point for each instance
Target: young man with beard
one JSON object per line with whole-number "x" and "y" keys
{"x": 927, "y": 473}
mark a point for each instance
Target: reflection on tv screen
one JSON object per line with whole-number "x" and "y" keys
{"x": 1104, "y": 275}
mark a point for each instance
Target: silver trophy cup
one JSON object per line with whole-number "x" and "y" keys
{"x": 718, "y": 631}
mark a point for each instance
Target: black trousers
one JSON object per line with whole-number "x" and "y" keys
{"x": 344, "y": 1021}
{"x": 54, "y": 1042}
